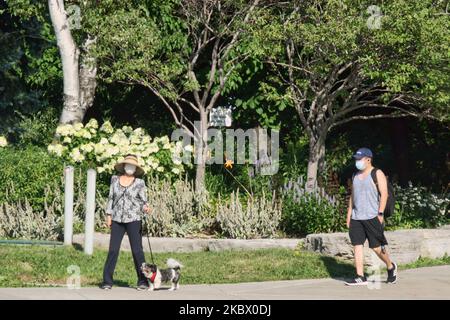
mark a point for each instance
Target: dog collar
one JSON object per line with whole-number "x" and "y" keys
{"x": 152, "y": 277}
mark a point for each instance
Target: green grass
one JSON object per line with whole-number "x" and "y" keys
{"x": 427, "y": 262}
{"x": 27, "y": 266}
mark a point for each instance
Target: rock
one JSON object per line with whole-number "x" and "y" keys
{"x": 192, "y": 245}
{"x": 405, "y": 246}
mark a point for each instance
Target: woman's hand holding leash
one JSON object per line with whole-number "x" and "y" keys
{"x": 108, "y": 221}
{"x": 147, "y": 209}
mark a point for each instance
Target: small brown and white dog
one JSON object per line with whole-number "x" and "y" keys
{"x": 155, "y": 276}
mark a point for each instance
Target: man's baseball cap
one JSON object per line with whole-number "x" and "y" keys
{"x": 363, "y": 152}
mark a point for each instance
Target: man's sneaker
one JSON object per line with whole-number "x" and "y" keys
{"x": 358, "y": 281}
{"x": 142, "y": 287}
{"x": 106, "y": 287}
{"x": 392, "y": 274}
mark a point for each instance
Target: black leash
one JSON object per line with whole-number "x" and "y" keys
{"x": 148, "y": 240}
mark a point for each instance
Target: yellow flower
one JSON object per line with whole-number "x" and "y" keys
{"x": 228, "y": 164}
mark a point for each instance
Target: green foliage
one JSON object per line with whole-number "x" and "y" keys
{"x": 310, "y": 215}
{"x": 416, "y": 207}
{"x": 38, "y": 128}
{"x": 309, "y": 212}
{"x": 31, "y": 171}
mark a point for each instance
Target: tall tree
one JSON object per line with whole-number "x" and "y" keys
{"x": 79, "y": 78}
{"x": 345, "y": 60}
{"x": 185, "y": 52}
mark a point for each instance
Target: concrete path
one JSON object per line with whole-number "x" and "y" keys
{"x": 423, "y": 283}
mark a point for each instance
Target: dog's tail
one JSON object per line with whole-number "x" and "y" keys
{"x": 174, "y": 264}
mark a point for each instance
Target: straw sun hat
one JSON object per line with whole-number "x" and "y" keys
{"x": 130, "y": 159}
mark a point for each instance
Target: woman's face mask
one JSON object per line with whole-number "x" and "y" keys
{"x": 360, "y": 164}
{"x": 130, "y": 169}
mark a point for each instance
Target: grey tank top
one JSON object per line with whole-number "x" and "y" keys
{"x": 365, "y": 198}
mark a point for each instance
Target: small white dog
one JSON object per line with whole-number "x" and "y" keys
{"x": 155, "y": 276}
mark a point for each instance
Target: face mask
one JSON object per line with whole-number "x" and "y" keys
{"x": 360, "y": 164}
{"x": 130, "y": 169}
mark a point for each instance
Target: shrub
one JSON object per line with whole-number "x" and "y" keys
{"x": 259, "y": 217}
{"x": 175, "y": 209}
{"x": 21, "y": 221}
{"x": 309, "y": 212}
{"x": 37, "y": 129}
{"x": 103, "y": 147}
{"x": 25, "y": 174}
{"x": 416, "y": 207}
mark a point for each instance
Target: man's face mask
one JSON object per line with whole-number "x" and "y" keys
{"x": 361, "y": 164}
{"x": 130, "y": 169}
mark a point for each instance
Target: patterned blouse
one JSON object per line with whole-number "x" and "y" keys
{"x": 126, "y": 204}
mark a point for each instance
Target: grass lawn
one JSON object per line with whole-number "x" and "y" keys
{"x": 26, "y": 266}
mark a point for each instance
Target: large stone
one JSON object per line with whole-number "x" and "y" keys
{"x": 405, "y": 246}
{"x": 191, "y": 245}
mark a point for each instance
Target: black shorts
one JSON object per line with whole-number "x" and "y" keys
{"x": 372, "y": 230}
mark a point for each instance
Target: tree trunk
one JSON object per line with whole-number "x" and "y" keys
{"x": 315, "y": 161}
{"x": 88, "y": 72}
{"x": 79, "y": 82}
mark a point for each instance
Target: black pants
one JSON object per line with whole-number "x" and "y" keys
{"x": 133, "y": 230}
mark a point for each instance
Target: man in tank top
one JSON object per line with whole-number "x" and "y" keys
{"x": 365, "y": 216}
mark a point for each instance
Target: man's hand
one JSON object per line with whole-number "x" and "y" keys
{"x": 348, "y": 221}
{"x": 381, "y": 218}
{"x": 108, "y": 221}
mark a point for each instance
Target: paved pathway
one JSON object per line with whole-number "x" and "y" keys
{"x": 423, "y": 283}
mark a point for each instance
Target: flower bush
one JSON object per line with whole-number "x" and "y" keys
{"x": 416, "y": 207}
{"x": 309, "y": 212}
{"x": 102, "y": 147}
{"x": 3, "y": 142}
{"x": 249, "y": 219}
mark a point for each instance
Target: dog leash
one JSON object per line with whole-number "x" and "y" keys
{"x": 148, "y": 240}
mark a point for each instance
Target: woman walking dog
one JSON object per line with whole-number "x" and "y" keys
{"x": 126, "y": 202}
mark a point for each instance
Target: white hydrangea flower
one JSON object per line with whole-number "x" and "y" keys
{"x": 176, "y": 161}
{"x": 3, "y": 142}
{"x": 92, "y": 124}
{"x": 87, "y": 148}
{"x": 78, "y": 126}
{"x": 153, "y": 148}
{"x": 67, "y": 140}
{"x": 176, "y": 170}
{"x": 107, "y": 127}
{"x": 127, "y": 129}
{"x": 65, "y": 130}
{"x": 76, "y": 155}
{"x": 160, "y": 169}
